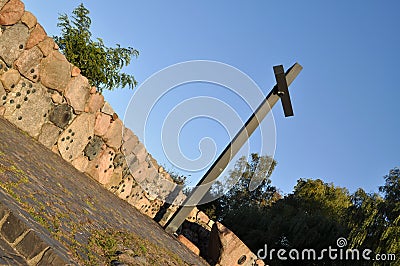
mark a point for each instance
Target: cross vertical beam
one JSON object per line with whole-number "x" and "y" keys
{"x": 280, "y": 91}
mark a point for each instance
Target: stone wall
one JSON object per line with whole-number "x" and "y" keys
{"x": 47, "y": 97}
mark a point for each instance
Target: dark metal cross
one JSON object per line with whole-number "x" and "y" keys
{"x": 280, "y": 91}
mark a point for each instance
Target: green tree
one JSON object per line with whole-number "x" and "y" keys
{"x": 102, "y": 65}
{"x": 239, "y": 196}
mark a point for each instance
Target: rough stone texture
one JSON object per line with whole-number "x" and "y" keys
{"x": 57, "y": 98}
{"x": 12, "y": 42}
{"x": 50, "y": 258}
{"x": 107, "y": 109}
{"x": 12, "y": 228}
{"x": 82, "y": 205}
{"x": 103, "y": 122}
{"x": 101, "y": 168}
{"x": 55, "y": 71}
{"x": 11, "y": 12}
{"x": 2, "y": 90}
{"x": 140, "y": 152}
{"x": 2, "y": 110}
{"x": 226, "y": 248}
{"x": 130, "y": 141}
{"x": 49, "y": 135}
{"x": 93, "y": 148}
{"x": 10, "y": 79}
{"x": 61, "y": 115}
{"x": 125, "y": 188}
{"x": 95, "y": 103}
{"x": 81, "y": 163}
{"x": 74, "y": 139}
{"x": 31, "y": 245}
{"x": 46, "y": 46}
{"x": 37, "y": 35}
{"x": 2, "y": 3}
{"x": 202, "y": 219}
{"x": 77, "y": 93}
{"x": 29, "y": 19}
{"x": 28, "y": 63}
{"x": 189, "y": 244}
{"x": 75, "y": 71}
{"x": 28, "y": 106}
{"x": 113, "y": 137}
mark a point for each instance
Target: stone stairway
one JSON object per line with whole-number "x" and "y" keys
{"x": 52, "y": 214}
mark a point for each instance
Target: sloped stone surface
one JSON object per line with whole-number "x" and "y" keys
{"x": 11, "y": 12}
{"x": 12, "y": 228}
{"x": 28, "y": 63}
{"x": 31, "y": 245}
{"x": 12, "y": 42}
{"x": 55, "y": 71}
{"x": 74, "y": 139}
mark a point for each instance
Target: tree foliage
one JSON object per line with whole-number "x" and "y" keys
{"x": 102, "y": 65}
{"x": 239, "y": 197}
{"x": 313, "y": 216}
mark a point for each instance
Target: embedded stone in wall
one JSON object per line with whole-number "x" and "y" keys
{"x": 11, "y": 12}
{"x": 81, "y": 163}
{"x": 37, "y": 35}
{"x": 107, "y": 109}
{"x": 101, "y": 168}
{"x": 49, "y": 135}
{"x": 27, "y": 106}
{"x": 93, "y": 148}
{"x": 113, "y": 136}
{"x": 140, "y": 152}
{"x": 57, "y": 97}
{"x": 139, "y": 200}
{"x": 114, "y": 182}
{"x": 226, "y": 248}
{"x": 55, "y": 71}
{"x": 125, "y": 188}
{"x": 130, "y": 141}
{"x": 103, "y": 121}
{"x": 29, "y": 19}
{"x": 75, "y": 71}
{"x": 203, "y": 219}
{"x": 10, "y": 79}
{"x": 46, "y": 46}
{"x": 2, "y": 3}
{"x": 74, "y": 139}
{"x": 77, "y": 93}
{"x": 95, "y": 103}
{"x": 12, "y": 42}
{"x": 61, "y": 115}
{"x": 2, "y": 90}
{"x": 28, "y": 63}
{"x": 189, "y": 244}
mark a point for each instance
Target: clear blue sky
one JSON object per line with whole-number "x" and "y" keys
{"x": 346, "y": 127}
